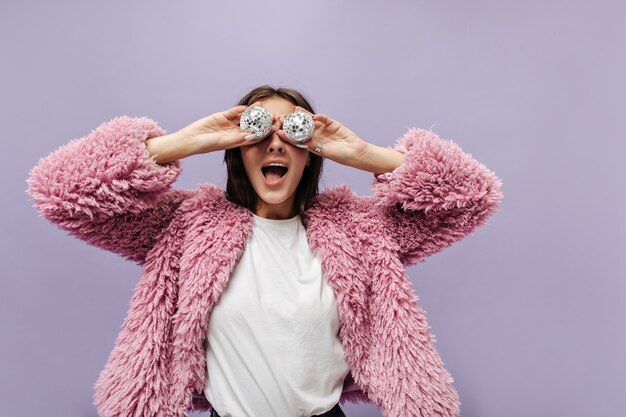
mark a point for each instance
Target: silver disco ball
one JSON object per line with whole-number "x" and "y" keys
{"x": 256, "y": 120}
{"x": 298, "y": 126}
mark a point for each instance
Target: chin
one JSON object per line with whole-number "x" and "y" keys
{"x": 274, "y": 197}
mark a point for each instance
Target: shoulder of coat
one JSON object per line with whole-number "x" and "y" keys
{"x": 341, "y": 197}
{"x": 210, "y": 199}
{"x": 330, "y": 198}
{"x": 342, "y": 206}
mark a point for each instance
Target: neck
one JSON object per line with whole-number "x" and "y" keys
{"x": 276, "y": 211}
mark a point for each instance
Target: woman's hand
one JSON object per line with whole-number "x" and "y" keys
{"x": 338, "y": 143}
{"x": 219, "y": 131}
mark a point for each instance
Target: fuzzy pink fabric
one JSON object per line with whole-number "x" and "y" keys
{"x": 106, "y": 190}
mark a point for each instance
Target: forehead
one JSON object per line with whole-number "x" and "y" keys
{"x": 277, "y": 105}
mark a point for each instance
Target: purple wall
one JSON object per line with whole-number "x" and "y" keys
{"x": 528, "y": 311}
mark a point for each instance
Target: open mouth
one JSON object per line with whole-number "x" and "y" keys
{"x": 273, "y": 173}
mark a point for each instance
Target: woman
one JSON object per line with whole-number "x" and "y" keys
{"x": 268, "y": 299}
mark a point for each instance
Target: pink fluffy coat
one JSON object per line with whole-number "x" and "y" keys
{"x": 106, "y": 190}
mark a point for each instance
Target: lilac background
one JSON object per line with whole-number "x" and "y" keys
{"x": 528, "y": 311}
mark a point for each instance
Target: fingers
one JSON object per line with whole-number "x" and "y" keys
{"x": 233, "y": 112}
{"x": 277, "y": 124}
{"x": 248, "y": 137}
{"x": 322, "y": 118}
{"x": 298, "y": 108}
{"x": 282, "y": 136}
{"x": 325, "y": 120}
{"x": 237, "y": 139}
{"x": 236, "y": 111}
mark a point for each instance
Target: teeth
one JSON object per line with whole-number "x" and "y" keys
{"x": 275, "y": 164}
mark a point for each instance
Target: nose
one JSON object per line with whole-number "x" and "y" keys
{"x": 275, "y": 144}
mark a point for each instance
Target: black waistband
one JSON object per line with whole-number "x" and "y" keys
{"x": 336, "y": 411}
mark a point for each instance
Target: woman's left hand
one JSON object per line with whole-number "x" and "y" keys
{"x": 338, "y": 143}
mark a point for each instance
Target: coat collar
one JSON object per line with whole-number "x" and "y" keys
{"x": 216, "y": 238}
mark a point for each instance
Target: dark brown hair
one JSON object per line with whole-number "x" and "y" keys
{"x": 239, "y": 190}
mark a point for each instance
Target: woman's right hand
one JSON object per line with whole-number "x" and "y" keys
{"x": 221, "y": 131}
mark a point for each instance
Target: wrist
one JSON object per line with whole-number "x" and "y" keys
{"x": 170, "y": 147}
{"x": 379, "y": 160}
{"x": 363, "y": 155}
{"x": 186, "y": 141}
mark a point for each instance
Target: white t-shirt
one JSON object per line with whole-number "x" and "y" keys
{"x": 273, "y": 347}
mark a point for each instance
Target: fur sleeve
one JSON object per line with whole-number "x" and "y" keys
{"x": 437, "y": 196}
{"x": 106, "y": 189}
